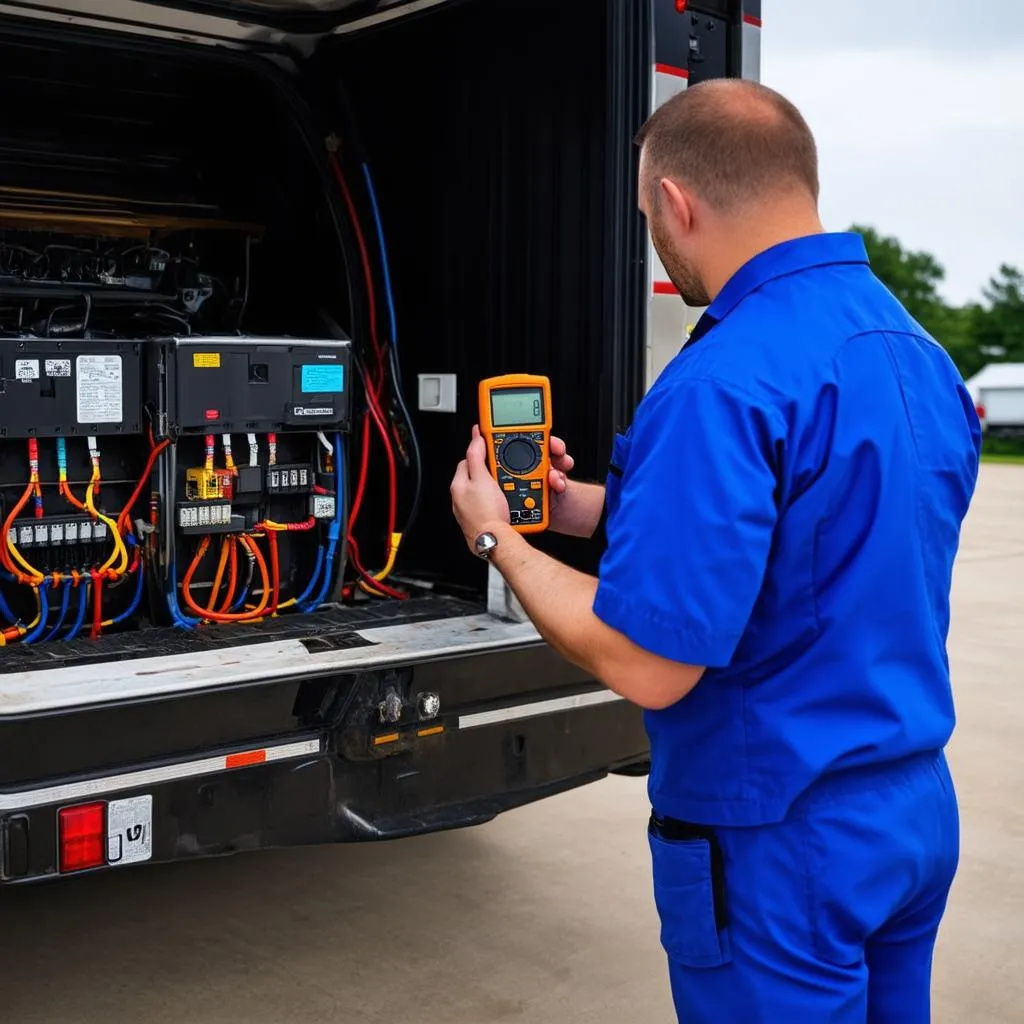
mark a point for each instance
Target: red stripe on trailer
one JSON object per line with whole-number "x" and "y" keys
{"x": 670, "y": 69}
{"x": 245, "y": 759}
{"x": 665, "y": 288}
{"x": 752, "y": 19}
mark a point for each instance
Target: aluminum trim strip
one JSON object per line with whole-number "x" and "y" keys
{"x": 73, "y": 792}
{"x": 540, "y": 707}
{"x": 50, "y": 689}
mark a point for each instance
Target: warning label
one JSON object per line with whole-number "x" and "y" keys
{"x": 99, "y": 389}
{"x": 58, "y": 367}
{"x": 206, "y": 360}
{"x": 26, "y": 369}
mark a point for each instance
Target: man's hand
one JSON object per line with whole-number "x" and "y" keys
{"x": 575, "y": 508}
{"x": 561, "y": 466}
{"x": 477, "y": 500}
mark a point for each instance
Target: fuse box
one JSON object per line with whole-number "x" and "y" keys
{"x": 52, "y": 388}
{"x": 217, "y": 385}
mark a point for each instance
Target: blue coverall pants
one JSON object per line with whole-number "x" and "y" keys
{"x": 830, "y": 916}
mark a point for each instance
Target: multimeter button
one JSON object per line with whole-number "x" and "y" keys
{"x": 510, "y": 486}
{"x": 538, "y": 437}
{"x": 519, "y": 455}
{"x": 535, "y": 485}
{"x": 529, "y": 503}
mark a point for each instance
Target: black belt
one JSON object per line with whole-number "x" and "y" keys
{"x": 672, "y": 830}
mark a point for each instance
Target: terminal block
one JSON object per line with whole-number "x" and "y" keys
{"x": 296, "y": 479}
{"x": 204, "y": 517}
{"x": 209, "y": 484}
{"x": 57, "y": 532}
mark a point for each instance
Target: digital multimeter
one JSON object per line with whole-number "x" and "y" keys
{"x": 515, "y": 420}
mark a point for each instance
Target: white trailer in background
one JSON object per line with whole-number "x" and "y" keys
{"x": 998, "y": 393}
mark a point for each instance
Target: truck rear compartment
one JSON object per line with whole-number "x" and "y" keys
{"x": 499, "y": 203}
{"x": 194, "y": 324}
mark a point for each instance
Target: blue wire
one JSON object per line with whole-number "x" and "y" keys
{"x": 334, "y": 532}
{"x": 314, "y": 579}
{"x": 181, "y": 620}
{"x": 83, "y": 602}
{"x": 44, "y": 614}
{"x": 239, "y": 604}
{"x": 378, "y": 224}
{"x": 131, "y": 609}
{"x": 5, "y": 609}
{"x": 65, "y": 598}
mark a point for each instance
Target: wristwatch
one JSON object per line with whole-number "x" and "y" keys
{"x": 485, "y": 544}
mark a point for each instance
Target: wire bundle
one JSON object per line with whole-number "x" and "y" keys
{"x": 375, "y": 379}
{"x": 16, "y": 568}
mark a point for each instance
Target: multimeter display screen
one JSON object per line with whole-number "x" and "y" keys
{"x": 517, "y": 407}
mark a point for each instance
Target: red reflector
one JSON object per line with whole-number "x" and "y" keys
{"x": 980, "y": 410}
{"x": 82, "y": 837}
{"x": 212, "y": 414}
{"x": 681, "y": 6}
{"x": 243, "y": 760}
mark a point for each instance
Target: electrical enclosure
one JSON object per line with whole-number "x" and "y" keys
{"x": 214, "y": 385}
{"x": 65, "y": 388}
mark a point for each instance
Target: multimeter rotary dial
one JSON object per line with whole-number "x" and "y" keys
{"x": 519, "y": 455}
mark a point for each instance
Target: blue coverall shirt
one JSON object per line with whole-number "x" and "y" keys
{"x": 785, "y": 510}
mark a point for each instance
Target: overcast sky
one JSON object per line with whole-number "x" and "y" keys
{"x": 918, "y": 107}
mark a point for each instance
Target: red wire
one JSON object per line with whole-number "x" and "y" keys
{"x": 373, "y": 388}
{"x": 150, "y": 462}
{"x": 97, "y": 605}
{"x": 364, "y": 253}
{"x": 275, "y": 573}
{"x": 376, "y": 584}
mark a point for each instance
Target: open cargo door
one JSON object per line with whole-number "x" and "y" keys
{"x": 296, "y": 25}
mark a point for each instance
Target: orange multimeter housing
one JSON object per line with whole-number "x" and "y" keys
{"x": 515, "y": 420}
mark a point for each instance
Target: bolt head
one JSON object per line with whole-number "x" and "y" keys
{"x": 430, "y": 705}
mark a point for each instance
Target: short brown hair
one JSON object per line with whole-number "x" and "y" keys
{"x": 731, "y": 141}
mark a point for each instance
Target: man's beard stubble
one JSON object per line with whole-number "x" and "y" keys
{"x": 681, "y": 273}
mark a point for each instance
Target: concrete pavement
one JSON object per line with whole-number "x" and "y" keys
{"x": 544, "y": 915}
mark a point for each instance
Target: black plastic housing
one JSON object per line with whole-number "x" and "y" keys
{"x": 224, "y": 385}
{"x": 52, "y": 388}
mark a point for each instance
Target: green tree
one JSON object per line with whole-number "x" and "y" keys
{"x": 998, "y": 325}
{"x": 914, "y": 278}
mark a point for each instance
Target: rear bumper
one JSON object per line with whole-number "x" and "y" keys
{"x": 333, "y": 785}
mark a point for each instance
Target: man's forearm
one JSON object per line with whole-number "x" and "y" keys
{"x": 577, "y": 512}
{"x": 559, "y": 601}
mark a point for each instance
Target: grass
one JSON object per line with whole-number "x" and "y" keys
{"x": 1003, "y": 458}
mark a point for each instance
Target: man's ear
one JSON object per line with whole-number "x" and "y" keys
{"x": 677, "y": 203}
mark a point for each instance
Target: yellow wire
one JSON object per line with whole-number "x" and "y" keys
{"x": 36, "y": 575}
{"x": 380, "y": 577}
{"x": 120, "y": 552}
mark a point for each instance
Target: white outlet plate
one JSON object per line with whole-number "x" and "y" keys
{"x": 438, "y": 392}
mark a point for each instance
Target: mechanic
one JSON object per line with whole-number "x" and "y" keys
{"x": 782, "y": 519}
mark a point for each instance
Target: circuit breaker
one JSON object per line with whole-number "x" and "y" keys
{"x": 215, "y": 385}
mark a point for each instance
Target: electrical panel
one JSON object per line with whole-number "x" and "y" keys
{"x": 52, "y": 388}
{"x": 215, "y": 385}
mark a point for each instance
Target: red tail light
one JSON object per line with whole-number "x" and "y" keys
{"x": 83, "y": 837}
{"x": 980, "y": 410}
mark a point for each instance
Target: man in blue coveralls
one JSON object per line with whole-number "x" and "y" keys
{"x": 782, "y": 520}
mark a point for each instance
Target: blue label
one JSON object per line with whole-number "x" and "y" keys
{"x": 323, "y": 378}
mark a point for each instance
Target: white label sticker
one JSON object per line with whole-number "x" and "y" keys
{"x": 130, "y": 830}
{"x": 99, "y": 388}
{"x": 58, "y": 367}
{"x": 26, "y": 369}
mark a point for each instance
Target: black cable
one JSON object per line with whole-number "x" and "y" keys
{"x": 417, "y": 457}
